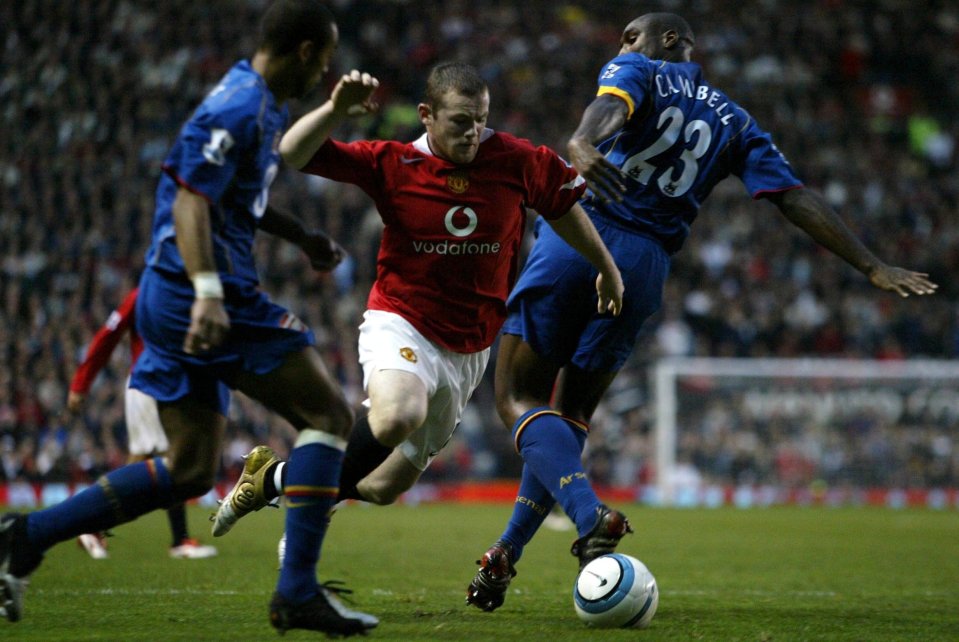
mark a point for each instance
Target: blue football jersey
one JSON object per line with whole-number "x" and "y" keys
{"x": 681, "y": 138}
{"x": 228, "y": 153}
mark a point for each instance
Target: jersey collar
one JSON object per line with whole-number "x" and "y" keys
{"x": 423, "y": 147}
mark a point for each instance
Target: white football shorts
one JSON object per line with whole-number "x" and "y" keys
{"x": 144, "y": 431}
{"x": 390, "y": 342}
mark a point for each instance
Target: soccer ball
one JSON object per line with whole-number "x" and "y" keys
{"x": 616, "y": 591}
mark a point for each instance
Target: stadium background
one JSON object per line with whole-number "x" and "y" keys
{"x": 860, "y": 96}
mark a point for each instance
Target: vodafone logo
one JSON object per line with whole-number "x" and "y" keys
{"x": 460, "y": 221}
{"x": 460, "y": 232}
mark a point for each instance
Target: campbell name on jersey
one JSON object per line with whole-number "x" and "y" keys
{"x": 449, "y": 252}
{"x": 681, "y": 138}
{"x": 228, "y": 152}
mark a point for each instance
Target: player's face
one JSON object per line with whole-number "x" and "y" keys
{"x": 637, "y": 38}
{"x": 317, "y": 65}
{"x": 640, "y": 36}
{"x": 454, "y": 127}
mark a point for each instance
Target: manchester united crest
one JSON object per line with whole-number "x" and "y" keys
{"x": 458, "y": 182}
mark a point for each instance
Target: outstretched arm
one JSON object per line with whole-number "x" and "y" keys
{"x": 324, "y": 253}
{"x": 575, "y": 228}
{"x": 604, "y": 116}
{"x": 809, "y": 211}
{"x": 102, "y": 345}
{"x": 350, "y": 97}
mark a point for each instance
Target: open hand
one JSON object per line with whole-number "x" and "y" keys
{"x": 353, "y": 94}
{"x": 901, "y": 281}
{"x": 604, "y": 179}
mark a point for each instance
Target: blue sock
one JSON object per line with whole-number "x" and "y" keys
{"x": 118, "y": 497}
{"x": 551, "y": 449}
{"x": 533, "y": 503}
{"x": 312, "y": 482}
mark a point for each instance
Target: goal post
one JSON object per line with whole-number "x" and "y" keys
{"x": 831, "y": 418}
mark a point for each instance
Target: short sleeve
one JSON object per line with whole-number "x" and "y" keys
{"x": 626, "y": 77}
{"x": 206, "y": 154}
{"x": 762, "y": 167}
{"x": 354, "y": 163}
{"x": 554, "y": 185}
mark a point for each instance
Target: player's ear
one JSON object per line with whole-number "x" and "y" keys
{"x": 306, "y": 50}
{"x": 670, "y": 38}
{"x": 426, "y": 114}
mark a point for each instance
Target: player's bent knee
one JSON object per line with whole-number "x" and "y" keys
{"x": 192, "y": 482}
{"x": 335, "y": 418}
{"x": 510, "y": 409}
{"x": 341, "y": 419}
{"x": 393, "y": 429}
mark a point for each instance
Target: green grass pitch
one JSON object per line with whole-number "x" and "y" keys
{"x": 762, "y": 574}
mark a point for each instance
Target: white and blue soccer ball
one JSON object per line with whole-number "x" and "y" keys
{"x": 616, "y": 591}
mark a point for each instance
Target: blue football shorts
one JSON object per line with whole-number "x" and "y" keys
{"x": 261, "y": 336}
{"x": 553, "y": 305}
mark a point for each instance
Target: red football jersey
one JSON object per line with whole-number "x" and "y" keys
{"x": 452, "y": 234}
{"x": 106, "y": 340}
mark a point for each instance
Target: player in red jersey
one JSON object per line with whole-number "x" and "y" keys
{"x": 145, "y": 435}
{"x": 454, "y": 204}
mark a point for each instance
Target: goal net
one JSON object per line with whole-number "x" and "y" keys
{"x": 768, "y": 431}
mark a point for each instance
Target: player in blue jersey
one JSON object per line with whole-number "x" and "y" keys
{"x": 652, "y": 145}
{"x": 207, "y": 327}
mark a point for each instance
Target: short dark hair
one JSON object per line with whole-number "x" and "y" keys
{"x": 661, "y": 22}
{"x": 287, "y": 23}
{"x": 460, "y": 77}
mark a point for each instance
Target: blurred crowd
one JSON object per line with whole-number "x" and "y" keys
{"x": 860, "y": 96}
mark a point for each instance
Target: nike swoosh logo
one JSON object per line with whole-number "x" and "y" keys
{"x": 604, "y": 581}
{"x": 410, "y": 161}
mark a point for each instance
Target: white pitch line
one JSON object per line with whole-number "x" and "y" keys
{"x": 380, "y": 592}
{"x": 136, "y": 592}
